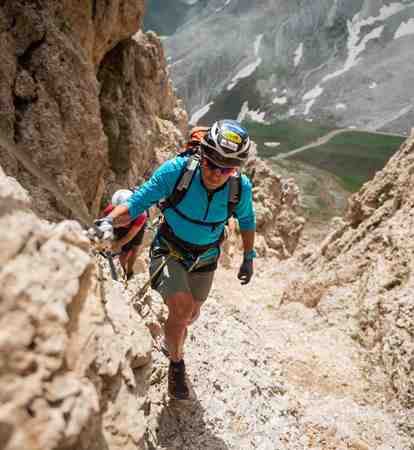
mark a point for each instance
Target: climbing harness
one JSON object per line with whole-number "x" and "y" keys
{"x": 172, "y": 253}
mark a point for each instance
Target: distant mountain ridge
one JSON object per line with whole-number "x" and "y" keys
{"x": 346, "y": 62}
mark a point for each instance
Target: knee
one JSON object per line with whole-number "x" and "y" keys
{"x": 195, "y": 314}
{"x": 181, "y": 308}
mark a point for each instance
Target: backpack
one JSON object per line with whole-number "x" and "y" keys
{"x": 192, "y": 149}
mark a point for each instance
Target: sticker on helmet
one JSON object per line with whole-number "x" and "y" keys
{"x": 231, "y": 136}
{"x": 229, "y": 145}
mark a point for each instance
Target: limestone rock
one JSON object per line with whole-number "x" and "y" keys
{"x": 53, "y": 106}
{"x": 367, "y": 263}
{"x": 66, "y": 341}
{"x": 12, "y": 190}
{"x": 277, "y": 208}
{"x": 138, "y": 109}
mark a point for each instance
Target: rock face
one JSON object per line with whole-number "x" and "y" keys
{"x": 367, "y": 264}
{"x": 277, "y": 204}
{"x": 264, "y": 377}
{"x": 73, "y": 352}
{"x": 54, "y": 96}
{"x": 325, "y": 59}
{"x": 138, "y": 109}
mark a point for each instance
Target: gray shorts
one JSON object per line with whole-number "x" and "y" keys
{"x": 174, "y": 278}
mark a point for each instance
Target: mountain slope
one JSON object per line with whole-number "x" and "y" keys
{"x": 346, "y": 62}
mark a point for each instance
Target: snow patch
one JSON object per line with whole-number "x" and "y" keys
{"x": 298, "y": 54}
{"x": 405, "y": 29}
{"x": 355, "y": 44}
{"x": 257, "y": 44}
{"x": 244, "y": 73}
{"x": 248, "y": 70}
{"x": 200, "y": 113}
{"x": 280, "y": 100}
{"x": 310, "y": 97}
{"x": 245, "y": 113}
{"x": 292, "y": 112}
{"x": 271, "y": 144}
{"x": 340, "y": 106}
{"x": 222, "y": 7}
{"x": 355, "y": 48}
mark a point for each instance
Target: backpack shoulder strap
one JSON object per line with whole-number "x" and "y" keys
{"x": 234, "y": 194}
{"x": 183, "y": 182}
{"x": 187, "y": 176}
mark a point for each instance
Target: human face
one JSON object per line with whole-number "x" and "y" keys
{"x": 215, "y": 176}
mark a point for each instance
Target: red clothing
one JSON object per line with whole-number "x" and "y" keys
{"x": 139, "y": 221}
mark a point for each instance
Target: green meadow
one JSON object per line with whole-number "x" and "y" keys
{"x": 354, "y": 157}
{"x": 290, "y": 134}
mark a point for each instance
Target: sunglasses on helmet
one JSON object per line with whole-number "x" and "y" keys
{"x": 223, "y": 170}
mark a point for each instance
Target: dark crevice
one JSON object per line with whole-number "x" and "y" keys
{"x": 20, "y": 107}
{"x": 22, "y": 104}
{"x": 94, "y": 9}
{"x": 24, "y": 59}
{"x": 11, "y": 26}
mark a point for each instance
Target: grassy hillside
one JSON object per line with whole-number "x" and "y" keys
{"x": 354, "y": 157}
{"x": 328, "y": 173}
{"x": 291, "y": 134}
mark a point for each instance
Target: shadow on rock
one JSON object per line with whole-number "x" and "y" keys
{"x": 181, "y": 426}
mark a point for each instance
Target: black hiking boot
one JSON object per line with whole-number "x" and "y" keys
{"x": 177, "y": 383}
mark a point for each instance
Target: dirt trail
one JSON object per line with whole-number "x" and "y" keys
{"x": 327, "y": 137}
{"x": 268, "y": 377}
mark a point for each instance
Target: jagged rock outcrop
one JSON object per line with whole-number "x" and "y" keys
{"x": 73, "y": 352}
{"x": 138, "y": 109}
{"x": 362, "y": 275}
{"x": 95, "y": 110}
{"x": 51, "y": 98}
{"x": 277, "y": 204}
{"x": 278, "y": 220}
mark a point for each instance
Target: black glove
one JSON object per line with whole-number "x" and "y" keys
{"x": 245, "y": 271}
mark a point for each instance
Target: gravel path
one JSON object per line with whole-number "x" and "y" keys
{"x": 271, "y": 378}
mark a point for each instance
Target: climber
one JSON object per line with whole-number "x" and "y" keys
{"x": 200, "y": 190}
{"x": 128, "y": 234}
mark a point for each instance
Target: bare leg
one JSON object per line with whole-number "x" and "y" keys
{"x": 196, "y": 311}
{"x": 132, "y": 257}
{"x": 180, "y": 307}
{"x": 123, "y": 259}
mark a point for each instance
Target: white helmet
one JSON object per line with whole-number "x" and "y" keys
{"x": 120, "y": 197}
{"x": 227, "y": 144}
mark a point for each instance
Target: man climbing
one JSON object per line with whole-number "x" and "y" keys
{"x": 128, "y": 234}
{"x": 200, "y": 191}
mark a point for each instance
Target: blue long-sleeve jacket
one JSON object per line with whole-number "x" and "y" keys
{"x": 195, "y": 204}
